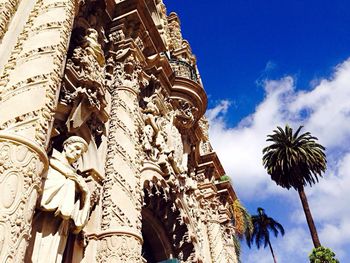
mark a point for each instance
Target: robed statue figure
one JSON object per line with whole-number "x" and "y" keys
{"x": 64, "y": 205}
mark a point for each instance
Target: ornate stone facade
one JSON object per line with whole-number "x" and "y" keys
{"x": 104, "y": 147}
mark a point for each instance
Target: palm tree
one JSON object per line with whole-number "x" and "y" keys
{"x": 243, "y": 225}
{"x": 295, "y": 160}
{"x": 261, "y": 233}
{"x": 241, "y": 219}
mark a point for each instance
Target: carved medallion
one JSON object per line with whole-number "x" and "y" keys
{"x": 9, "y": 190}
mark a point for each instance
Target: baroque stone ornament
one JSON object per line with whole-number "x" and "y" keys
{"x": 30, "y": 82}
{"x": 88, "y": 60}
{"x": 83, "y": 89}
{"x": 33, "y": 70}
{"x": 21, "y": 166}
{"x": 120, "y": 75}
{"x": 119, "y": 248}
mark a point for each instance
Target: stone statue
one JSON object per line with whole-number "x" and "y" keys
{"x": 148, "y": 141}
{"x": 93, "y": 47}
{"x": 84, "y": 89}
{"x": 64, "y": 205}
{"x": 151, "y": 113}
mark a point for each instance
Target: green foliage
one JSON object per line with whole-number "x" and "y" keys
{"x": 224, "y": 178}
{"x": 243, "y": 225}
{"x": 237, "y": 245}
{"x": 242, "y": 220}
{"x": 322, "y": 255}
{"x": 293, "y": 159}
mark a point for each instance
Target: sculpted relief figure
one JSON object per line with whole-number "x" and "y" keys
{"x": 84, "y": 90}
{"x": 161, "y": 140}
{"x": 150, "y": 116}
{"x": 151, "y": 112}
{"x": 64, "y": 205}
{"x": 88, "y": 58}
{"x": 92, "y": 46}
{"x": 170, "y": 144}
{"x": 147, "y": 142}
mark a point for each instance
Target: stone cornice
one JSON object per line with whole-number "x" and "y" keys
{"x": 225, "y": 189}
{"x": 212, "y": 160}
{"x": 133, "y": 13}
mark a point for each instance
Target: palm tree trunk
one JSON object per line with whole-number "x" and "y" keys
{"x": 273, "y": 254}
{"x": 309, "y": 218}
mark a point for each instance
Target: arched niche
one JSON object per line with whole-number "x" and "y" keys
{"x": 164, "y": 227}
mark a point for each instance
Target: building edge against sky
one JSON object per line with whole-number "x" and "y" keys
{"x": 104, "y": 148}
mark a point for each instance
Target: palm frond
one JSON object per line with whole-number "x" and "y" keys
{"x": 263, "y": 224}
{"x": 242, "y": 219}
{"x": 294, "y": 160}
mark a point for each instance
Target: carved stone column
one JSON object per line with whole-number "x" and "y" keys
{"x": 228, "y": 233}
{"x": 121, "y": 239}
{"x": 217, "y": 245}
{"x": 7, "y": 10}
{"x": 213, "y": 218}
{"x": 29, "y": 88}
{"x": 221, "y": 247}
{"x": 21, "y": 166}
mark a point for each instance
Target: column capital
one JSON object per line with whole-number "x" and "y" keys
{"x": 32, "y": 145}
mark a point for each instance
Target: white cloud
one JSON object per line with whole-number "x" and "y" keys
{"x": 248, "y": 139}
{"x": 324, "y": 110}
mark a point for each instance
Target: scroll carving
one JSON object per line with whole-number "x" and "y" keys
{"x": 186, "y": 114}
{"x": 20, "y": 170}
{"x": 119, "y": 248}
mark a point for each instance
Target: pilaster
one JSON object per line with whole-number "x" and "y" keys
{"x": 215, "y": 218}
{"x": 29, "y": 88}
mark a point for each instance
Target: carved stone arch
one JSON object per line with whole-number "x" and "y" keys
{"x": 159, "y": 247}
{"x": 164, "y": 225}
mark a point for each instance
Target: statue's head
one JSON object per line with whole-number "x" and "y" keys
{"x": 92, "y": 33}
{"x": 74, "y": 147}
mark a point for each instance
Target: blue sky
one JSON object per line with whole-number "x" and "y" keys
{"x": 236, "y": 40}
{"x": 267, "y": 63}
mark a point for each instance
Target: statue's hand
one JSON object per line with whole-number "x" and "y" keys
{"x": 82, "y": 185}
{"x": 72, "y": 175}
